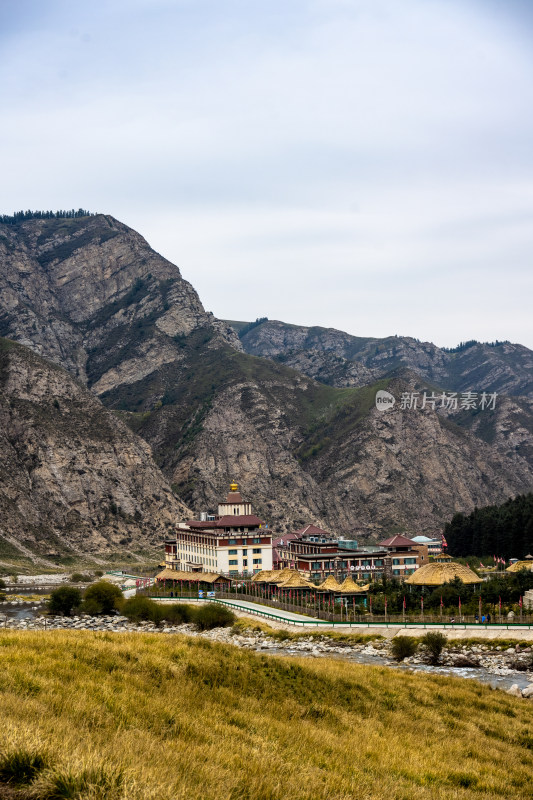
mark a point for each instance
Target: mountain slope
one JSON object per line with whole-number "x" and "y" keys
{"x": 340, "y": 359}
{"x": 91, "y": 295}
{"x": 73, "y": 478}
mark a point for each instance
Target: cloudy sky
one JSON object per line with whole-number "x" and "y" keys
{"x": 361, "y": 164}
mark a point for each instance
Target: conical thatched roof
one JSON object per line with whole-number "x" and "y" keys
{"x": 518, "y": 565}
{"x": 437, "y": 574}
{"x": 263, "y": 577}
{"x": 296, "y": 582}
{"x": 281, "y": 575}
{"x": 329, "y": 585}
{"x": 348, "y": 586}
{"x": 196, "y": 577}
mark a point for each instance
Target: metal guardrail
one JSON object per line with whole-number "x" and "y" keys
{"x": 261, "y": 611}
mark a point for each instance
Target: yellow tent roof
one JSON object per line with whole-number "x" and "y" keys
{"x": 263, "y": 577}
{"x": 280, "y": 575}
{"x": 437, "y": 574}
{"x": 296, "y": 582}
{"x": 520, "y": 565}
{"x": 181, "y": 575}
{"x": 330, "y": 585}
{"x": 348, "y": 586}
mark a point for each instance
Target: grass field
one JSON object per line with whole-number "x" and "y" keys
{"x": 145, "y": 716}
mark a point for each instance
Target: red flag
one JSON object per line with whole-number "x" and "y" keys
{"x": 494, "y": 557}
{"x": 444, "y": 542}
{"x": 459, "y": 605}
{"x": 404, "y": 602}
{"x": 500, "y": 604}
{"x": 422, "y": 602}
{"x": 370, "y": 602}
{"x": 385, "y": 602}
{"x": 520, "y": 601}
{"x": 441, "y": 603}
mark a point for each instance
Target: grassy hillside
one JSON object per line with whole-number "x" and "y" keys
{"x": 136, "y": 717}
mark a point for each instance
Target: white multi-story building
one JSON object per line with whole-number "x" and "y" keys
{"x": 234, "y": 542}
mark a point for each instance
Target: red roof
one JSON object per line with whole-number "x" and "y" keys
{"x": 246, "y": 520}
{"x": 312, "y": 530}
{"x": 288, "y": 537}
{"x": 196, "y": 523}
{"x": 397, "y": 541}
{"x": 234, "y": 497}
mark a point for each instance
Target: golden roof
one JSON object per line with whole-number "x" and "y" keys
{"x": 263, "y": 577}
{"x": 181, "y": 575}
{"x": 348, "y": 586}
{"x": 436, "y": 574}
{"x": 233, "y": 487}
{"x": 281, "y": 575}
{"x": 520, "y": 565}
{"x": 330, "y": 585}
{"x": 296, "y": 582}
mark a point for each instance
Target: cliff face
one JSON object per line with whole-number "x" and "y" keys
{"x": 91, "y": 295}
{"x": 73, "y": 478}
{"x": 339, "y": 359}
{"x": 358, "y": 472}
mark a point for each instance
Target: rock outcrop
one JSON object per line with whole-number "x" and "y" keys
{"x": 74, "y": 479}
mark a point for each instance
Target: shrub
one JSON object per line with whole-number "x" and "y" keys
{"x": 20, "y": 767}
{"x": 140, "y": 608}
{"x": 3, "y": 597}
{"x": 98, "y": 573}
{"x": 2, "y": 584}
{"x": 433, "y": 644}
{"x": 178, "y": 613}
{"x": 79, "y": 577}
{"x": 212, "y": 616}
{"x": 101, "y": 598}
{"x": 63, "y": 600}
{"x": 403, "y": 647}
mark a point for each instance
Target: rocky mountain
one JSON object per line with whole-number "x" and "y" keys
{"x": 296, "y": 426}
{"x": 74, "y": 479}
{"x": 339, "y": 359}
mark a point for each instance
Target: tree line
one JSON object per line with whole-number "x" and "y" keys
{"x": 502, "y": 531}
{"x": 22, "y": 216}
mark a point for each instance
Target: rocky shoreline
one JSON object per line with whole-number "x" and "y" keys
{"x": 495, "y": 661}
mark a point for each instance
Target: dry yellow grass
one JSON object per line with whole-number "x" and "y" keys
{"x": 187, "y": 719}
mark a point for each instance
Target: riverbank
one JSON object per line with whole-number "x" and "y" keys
{"x": 500, "y": 665}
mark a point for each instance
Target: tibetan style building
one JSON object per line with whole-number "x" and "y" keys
{"x": 315, "y": 553}
{"x": 233, "y": 542}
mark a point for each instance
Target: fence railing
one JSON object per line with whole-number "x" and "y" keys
{"x": 347, "y": 617}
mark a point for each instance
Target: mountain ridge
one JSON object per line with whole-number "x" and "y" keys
{"x": 89, "y": 294}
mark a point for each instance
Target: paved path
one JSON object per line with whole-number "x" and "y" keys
{"x": 277, "y": 613}
{"x": 458, "y": 630}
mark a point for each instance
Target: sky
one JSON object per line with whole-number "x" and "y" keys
{"x": 359, "y": 164}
